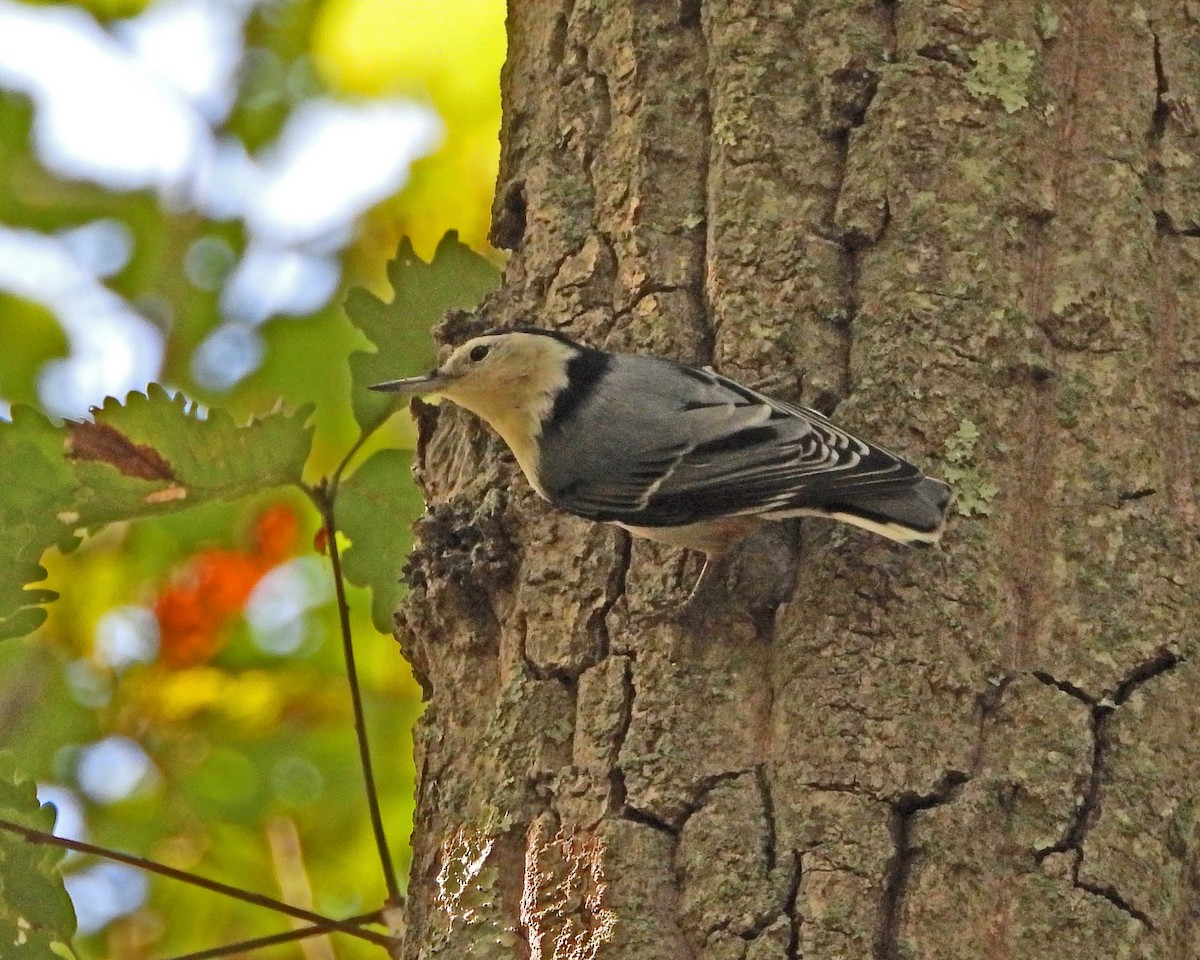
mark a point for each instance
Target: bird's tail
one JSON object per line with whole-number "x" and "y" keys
{"x": 914, "y": 516}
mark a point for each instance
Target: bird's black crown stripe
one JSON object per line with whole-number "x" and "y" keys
{"x": 584, "y": 372}
{"x": 537, "y": 332}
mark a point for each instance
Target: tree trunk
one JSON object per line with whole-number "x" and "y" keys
{"x": 972, "y": 227}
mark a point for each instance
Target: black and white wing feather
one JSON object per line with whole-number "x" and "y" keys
{"x": 675, "y": 446}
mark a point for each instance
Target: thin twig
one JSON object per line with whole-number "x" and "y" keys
{"x": 258, "y": 942}
{"x": 33, "y": 835}
{"x": 336, "y": 477}
{"x": 321, "y": 497}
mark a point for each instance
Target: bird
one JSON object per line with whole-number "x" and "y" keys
{"x": 672, "y": 453}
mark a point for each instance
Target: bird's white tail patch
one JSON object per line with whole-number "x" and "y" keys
{"x": 892, "y": 531}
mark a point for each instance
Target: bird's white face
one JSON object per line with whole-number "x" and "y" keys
{"x": 495, "y": 373}
{"x": 508, "y": 379}
{"x": 490, "y": 365}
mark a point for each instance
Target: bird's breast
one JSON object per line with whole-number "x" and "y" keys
{"x": 523, "y": 442}
{"x": 711, "y": 537}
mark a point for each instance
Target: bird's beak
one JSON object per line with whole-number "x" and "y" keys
{"x": 433, "y": 382}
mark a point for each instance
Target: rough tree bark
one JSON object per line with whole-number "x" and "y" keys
{"x": 972, "y": 227}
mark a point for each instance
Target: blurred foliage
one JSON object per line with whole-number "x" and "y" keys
{"x": 31, "y": 336}
{"x": 454, "y": 62}
{"x": 366, "y": 504}
{"x": 36, "y": 920}
{"x": 245, "y": 722}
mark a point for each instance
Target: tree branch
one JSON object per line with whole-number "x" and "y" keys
{"x": 320, "y": 495}
{"x": 257, "y": 943}
{"x": 32, "y": 835}
{"x": 336, "y": 477}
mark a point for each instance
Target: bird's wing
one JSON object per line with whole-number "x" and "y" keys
{"x": 702, "y": 446}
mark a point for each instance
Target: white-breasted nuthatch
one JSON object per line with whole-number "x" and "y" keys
{"x": 671, "y": 453}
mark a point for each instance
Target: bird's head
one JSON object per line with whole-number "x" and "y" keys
{"x": 499, "y": 375}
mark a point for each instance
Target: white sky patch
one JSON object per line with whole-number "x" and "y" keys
{"x": 277, "y": 607}
{"x": 332, "y": 162}
{"x": 133, "y": 107}
{"x": 99, "y": 113}
{"x": 103, "y": 892}
{"x": 113, "y": 348}
{"x": 113, "y": 769}
{"x": 271, "y": 281}
{"x": 126, "y": 635}
{"x": 227, "y": 356}
{"x": 102, "y": 247}
{"x": 300, "y": 199}
{"x": 69, "y": 820}
{"x": 222, "y": 188}
{"x": 195, "y": 46}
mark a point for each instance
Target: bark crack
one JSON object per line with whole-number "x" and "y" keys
{"x": 850, "y": 240}
{"x": 769, "y": 835}
{"x": 1162, "y": 662}
{"x": 989, "y": 705}
{"x": 692, "y": 17}
{"x": 602, "y": 103}
{"x": 614, "y": 590}
{"x": 1065, "y": 686}
{"x": 635, "y": 815}
{"x": 1102, "y": 710}
{"x": 705, "y": 786}
{"x": 616, "y": 776}
{"x": 558, "y": 36}
{"x": 791, "y": 902}
{"x": 887, "y": 13}
{"x": 1177, "y": 441}
{"x": 1110, "y": 894}
{"x": 1162, "y": 109}
{"x": 571, "y": 254}
{"x": 903, "y": 813}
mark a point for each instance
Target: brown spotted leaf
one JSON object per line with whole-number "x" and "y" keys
{"x": 105, "y": 444}
{"x": 148, "y": 456}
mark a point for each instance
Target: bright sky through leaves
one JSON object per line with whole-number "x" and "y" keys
{"x": 134, "y": 107}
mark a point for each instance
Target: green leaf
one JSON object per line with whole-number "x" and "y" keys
{"x": 36, "y": 916}
{"x": 457, "y": 277}
{"x": 376, "y": 507}
{"x": 26, "y": 619}
{"x": 148, "y": 457}
{"x": 151, "y": 456}
{"x": 36, "y": 493}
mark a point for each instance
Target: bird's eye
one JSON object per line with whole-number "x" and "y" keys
{"x": 479, "y": 352}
